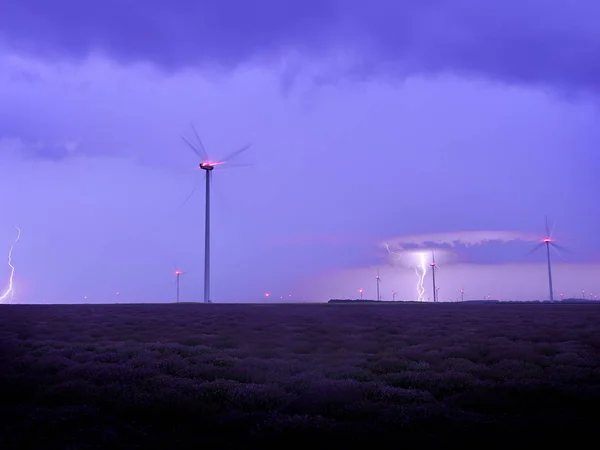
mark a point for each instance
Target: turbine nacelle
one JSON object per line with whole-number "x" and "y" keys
{"x": 209, "y": 165}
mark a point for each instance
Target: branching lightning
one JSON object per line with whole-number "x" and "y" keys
{"x": 421, "y": 271}
{"x": 393, "y": 253}
{"x": 10, "y": 290}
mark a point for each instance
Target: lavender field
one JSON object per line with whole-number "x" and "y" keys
{"x": 246, "y": 376}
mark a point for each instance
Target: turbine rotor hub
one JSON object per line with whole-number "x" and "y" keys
{"x": 206, "y": 166}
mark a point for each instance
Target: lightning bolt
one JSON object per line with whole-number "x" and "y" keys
{"x": 421, "y": 271}
{"x": 393, "y": 253}
{"x": 10, "y": 292}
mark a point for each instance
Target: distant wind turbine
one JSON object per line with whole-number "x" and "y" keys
{"x": 178, "y": 274}
{"x": 378, "y": 278}
{"x": 548, "y": 242}
{"x": 433, "y": 266}
{"x": 208, "y": 166}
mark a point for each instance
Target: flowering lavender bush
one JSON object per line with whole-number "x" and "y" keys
{"x": 238, "y": 376}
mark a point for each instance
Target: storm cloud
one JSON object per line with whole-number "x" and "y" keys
{"x": 541, "y": 42}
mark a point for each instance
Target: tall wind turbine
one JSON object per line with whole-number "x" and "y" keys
{"x": 178, "y": 274}
{"x": 378, "y": 278}
{"x": 433, "y": 266}
{"x": 208, "y": 166}
{"x": 462, "y": 294}
{"x": 548, "y": 242}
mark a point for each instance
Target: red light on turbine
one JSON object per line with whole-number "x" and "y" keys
{"x": 547, "y": 240}
{"x": 267, "y": 294}
{"x": 178, "y": 272}
{"x": 211, "y": 163}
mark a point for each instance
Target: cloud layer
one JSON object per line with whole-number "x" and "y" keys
{"x": 544, "y": 42}
{"x": 464, "y": 238}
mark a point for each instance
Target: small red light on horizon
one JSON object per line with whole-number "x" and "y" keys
{"x": 267, "y": 294}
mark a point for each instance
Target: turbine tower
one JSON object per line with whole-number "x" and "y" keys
{"x": 433, "y": 266}
{"x": 462, "y": 294}
{"x": 178, "y": 273}
{"x": 548, "y": 242}
{"x": 208, "y": 166}
{"x": 378, "y": 278}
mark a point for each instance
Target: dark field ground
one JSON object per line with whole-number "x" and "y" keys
{"x": 247, "y": 376}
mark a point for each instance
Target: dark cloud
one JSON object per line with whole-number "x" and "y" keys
{"x": 552, "y": 42}
{"x": 10, "y": 146}
{"x": 54, "y": 152}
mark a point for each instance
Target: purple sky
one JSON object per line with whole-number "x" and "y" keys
{"x": 371, "y": 122}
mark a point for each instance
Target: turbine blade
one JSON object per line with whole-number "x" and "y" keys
{"x": 547, "y": 227}
{"x": 560, "y": 248}
{"x": 232, "y": 166}
{"x": 202, "y": 148}
{"x": 191, "y": 194}
{"x": 221, "y": 201}
{"x": 540, "y": 245}
{"x": 237, "y": 152}
{"x": 194, "y": 149}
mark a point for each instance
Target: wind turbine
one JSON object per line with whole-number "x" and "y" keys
{"x": 548, "y": 242}
{"x": 433, "y": 266}
{"x": 178, "y": 274}
{"x": 462, "y": 294}
{"x": 208, "y": 166}
{"x": 394, "y": 296}
{"x": 378, "y": 278}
